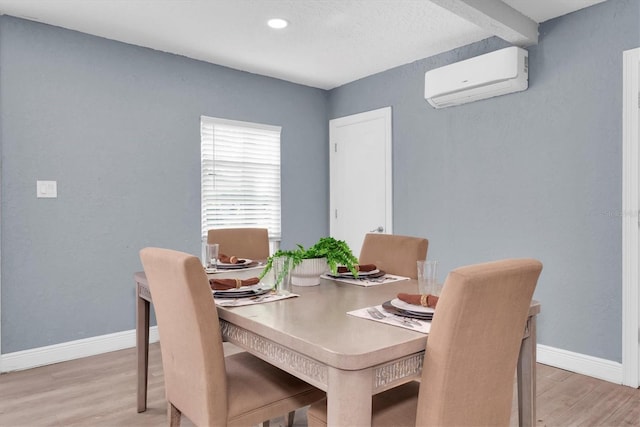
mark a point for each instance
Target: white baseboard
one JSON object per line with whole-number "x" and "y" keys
{"x": 581, "y": 364}
{"x": 62, "y": 352}
{"x": 563, "y": 359}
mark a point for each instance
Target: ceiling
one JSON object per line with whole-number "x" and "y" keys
{"x": 328, "y": 43}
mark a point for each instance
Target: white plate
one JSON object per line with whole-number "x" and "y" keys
{"x": 238, "y": 264}
{"x": 398, "y": 303}
{"x": 251, "y": 288}
{"x": 360, "y": 273}
{"x": 227, "y": 295}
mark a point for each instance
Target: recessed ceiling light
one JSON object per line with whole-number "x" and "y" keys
{"x": 277, "y": 23}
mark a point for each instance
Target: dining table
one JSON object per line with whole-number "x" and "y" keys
{"x": 351, "y": 358}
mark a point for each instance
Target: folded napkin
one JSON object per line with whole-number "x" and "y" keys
{"x": 223, "y": 284}
{"x": 364, "y": 268}
{"x": 229, "y": 259}
{"x": 425, "y": 300}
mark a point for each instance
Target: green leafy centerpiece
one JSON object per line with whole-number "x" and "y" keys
{"x": 329, "y": 251}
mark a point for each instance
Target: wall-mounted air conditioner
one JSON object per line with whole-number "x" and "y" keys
{"x": 497, "y": 73}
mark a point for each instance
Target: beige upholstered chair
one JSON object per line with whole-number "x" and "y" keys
{"x": 252, "y": 243}
{"x": 471, "y": 354}
{"x": 394, "y": 254}
{"x": 202, "y": 384}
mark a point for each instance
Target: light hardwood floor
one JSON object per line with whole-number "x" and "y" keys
{"x": 101, "y": 391}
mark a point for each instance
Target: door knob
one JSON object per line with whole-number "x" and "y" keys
{"x": 380, "y": 229}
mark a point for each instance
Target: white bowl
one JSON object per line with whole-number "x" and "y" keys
{"x": 308, "y": 272}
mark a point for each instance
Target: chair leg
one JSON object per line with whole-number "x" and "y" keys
{"x": 174, "y": 415}
{"x": 290, "y": 416}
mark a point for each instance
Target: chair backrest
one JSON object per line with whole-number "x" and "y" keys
{"x": 252, "y": 243}
{"x": 474, "y": 342}
{"x": 394, "y": 254}
{"x": 190, "y": 338}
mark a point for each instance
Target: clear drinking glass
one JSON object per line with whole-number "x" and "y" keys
{"x": 212, "y": 256}
{"x": 282, "y": 275}
{"x": 428, "y": 277}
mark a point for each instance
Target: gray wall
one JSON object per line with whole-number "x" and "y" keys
{"x": 118, "y": 127}
{"x": 532, "y": 174}
{"x": 536, "y": 173}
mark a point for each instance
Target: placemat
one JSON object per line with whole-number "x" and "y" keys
{"x": 363, "y": 281}
{"x": 422, "y": 326}
{"x": 239, "y": 302}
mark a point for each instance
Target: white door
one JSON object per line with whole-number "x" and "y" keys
{"x": 360, "y": 176}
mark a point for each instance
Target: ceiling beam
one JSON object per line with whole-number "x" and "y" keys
{"x": 496, "y": 17}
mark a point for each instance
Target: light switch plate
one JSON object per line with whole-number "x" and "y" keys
{"x": 46, "y": 189}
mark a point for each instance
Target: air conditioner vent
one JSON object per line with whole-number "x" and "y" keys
{"x": 497, "y": 73}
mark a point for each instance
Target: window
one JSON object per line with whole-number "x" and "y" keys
{"x": 240, "y": 165}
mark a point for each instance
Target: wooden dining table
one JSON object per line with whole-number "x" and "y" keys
{"x": 312, "y": 337}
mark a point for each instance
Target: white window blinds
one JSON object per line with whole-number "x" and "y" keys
{"x": 240, "y": 163}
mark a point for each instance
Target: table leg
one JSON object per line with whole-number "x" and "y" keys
{"x": 349, "y": 398}
{"x": 527, "y": 377}
{"x": 142, "y": 347}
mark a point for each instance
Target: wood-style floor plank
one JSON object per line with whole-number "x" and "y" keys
{"x": 101, "y": 391}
